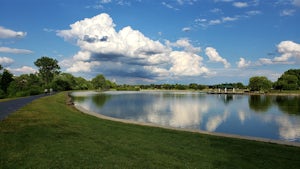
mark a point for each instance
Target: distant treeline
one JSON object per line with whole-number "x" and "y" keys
{"x": 49, "y": 77}
{"x": 192, "y": 86}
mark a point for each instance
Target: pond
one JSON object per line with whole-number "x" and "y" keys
{"x": 271, "y": 117}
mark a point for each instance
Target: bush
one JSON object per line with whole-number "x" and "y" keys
{"x": 35, "y": 90}
{"x": 22, "y": 93}
{"x": 2, "y": 94}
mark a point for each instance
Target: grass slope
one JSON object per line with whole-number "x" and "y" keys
{"x": 49, "y": 134}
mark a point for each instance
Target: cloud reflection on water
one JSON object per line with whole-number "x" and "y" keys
{"x": 179, "y": 112}
{"x": 288, "y": 130}
{"x": 239, "y": 115}
{"x": 214, "y": 121}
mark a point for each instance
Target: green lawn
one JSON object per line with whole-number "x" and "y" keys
{"x": 49, "y": 134}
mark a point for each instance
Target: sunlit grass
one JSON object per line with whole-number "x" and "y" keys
{"x": 49, "y": 134}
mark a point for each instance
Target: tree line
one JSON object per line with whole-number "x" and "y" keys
{"x": 289, "y": 80}
{"x": 49, "y": 76}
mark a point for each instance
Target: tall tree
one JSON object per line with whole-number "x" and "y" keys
{"x": 260, "y": 83}
{"x": 99, "y": 82}
{"x": 25, "y": 85}
{"x": 48, "y": 67}
{"x": 6, "y": 79}
{"x": 290, "y": 80}
{"x": 2, "y": 94}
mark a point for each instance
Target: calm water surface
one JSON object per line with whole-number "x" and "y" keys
{"x": 274, "y": 117}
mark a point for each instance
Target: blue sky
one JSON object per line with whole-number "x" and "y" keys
{"x": 152, "y": 41}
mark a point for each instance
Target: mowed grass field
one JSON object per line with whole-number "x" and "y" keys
{"x": 50, "y": 134}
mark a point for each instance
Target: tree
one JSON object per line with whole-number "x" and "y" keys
{"x": 99, "y": 82}
{"x": 259, "y": 83}
{"x": 239, "y": 85}
{"x": 64, "y": 81}
{"x": 290, "y": 80}
{"x": 82, "y": 84}
{"x": 25, "y": 85}
{"x": 2, "y": 94}
{"x": 6, "y": 79}
{"x": 48, "y": 67}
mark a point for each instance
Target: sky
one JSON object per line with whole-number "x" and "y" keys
{"x": 153, "y": 41}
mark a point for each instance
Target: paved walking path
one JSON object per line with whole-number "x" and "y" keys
{"x": 11, "y": 106}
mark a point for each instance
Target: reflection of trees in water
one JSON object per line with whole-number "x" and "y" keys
{"x": 100, "y": 99}
{"x": 182, "y": 95}
{"x": 260, "y": 103}
{"x": 227, "y": 98}
{"x": 287, "y": 104}
{"x": 290, "y": 105}
{"x": 79, "y": 99}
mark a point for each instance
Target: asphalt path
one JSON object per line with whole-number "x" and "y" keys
{"x": 11, "y": 106}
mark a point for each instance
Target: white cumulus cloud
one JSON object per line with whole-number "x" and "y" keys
{"x": 240, "y": 4}
{"x": 243, "y": 63}
{"x": 128, "y": 52}
{"x": 265, "y": 61}
{"x": 8, "y": 33}
{"x": 22, "y": 70}
{"x": 288, "y": 50}
{"x": 214, "y": 56}
{"x": 185, "y": 44}
{"x": 6, "y": 61}
{"x": 187, "y": 64}
{"x": 81, "y": 66}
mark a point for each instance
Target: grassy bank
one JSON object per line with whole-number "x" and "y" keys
{"x": 49, "y": 134}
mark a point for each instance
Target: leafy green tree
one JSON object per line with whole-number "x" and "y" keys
{"x": 180, "y": 87}
{"x": 48, "y": 68}
{"x": 2, "y": 94}
{"x": 239, "y": 85}
{"x": 295, "y": 72}
{"x": 25, "y": 85}
{"x": 193, "y": 86}
{"x": 63, "y": 82}
{"x": 259, "y": 83}
{"x": 82, "y": 84}
{"x": 290, "y": 80}
{"x": 6, "y": 79}
{"x": 99, "y": 82}
{"x": 110, "y": 84}
{"x": 66, "y": 81}
{"x": 196, "y": 86}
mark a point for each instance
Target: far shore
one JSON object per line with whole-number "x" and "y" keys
{"x": 238, "y": 92}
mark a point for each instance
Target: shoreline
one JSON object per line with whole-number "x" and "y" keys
{"x": 265, "y": 140}
{"x": 255, "y": 94}
{"x": 228, "y": 92}
{"x": 208, "y": 92}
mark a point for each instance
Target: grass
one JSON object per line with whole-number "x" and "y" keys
{"x": 7, "y": 99}
{"x": 49, "y": 134}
